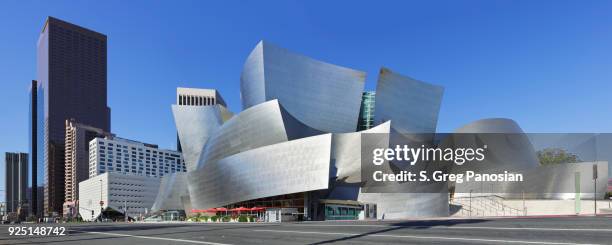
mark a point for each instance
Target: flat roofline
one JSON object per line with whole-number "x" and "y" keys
{"x": 206, "y": 90}
{"x": 124, "y": 140}
{"x": 70, "y": 25}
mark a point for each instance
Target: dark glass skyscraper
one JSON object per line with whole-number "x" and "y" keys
{"x": 16, "y": 182}
{"x": 72, "y": 72}
{"x": 36, "y": 149}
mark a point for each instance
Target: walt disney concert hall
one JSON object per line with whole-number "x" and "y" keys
{"x": 296, "y": 143}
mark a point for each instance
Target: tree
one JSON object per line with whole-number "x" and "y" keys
{"x": 550, "y": 156}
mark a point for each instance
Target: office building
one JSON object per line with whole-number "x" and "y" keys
{"x": 72, "y": 71}
{"x": 36, "y": 148}
{"x": 39, "y": 202}
{"x": 77, "y": 141}
{"x": 366, "y": 112}
{"x": 16, "y": 171}
{"x": 113, "y": 154}
{"x": 113, "y": 192}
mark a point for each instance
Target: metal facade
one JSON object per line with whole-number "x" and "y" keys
{"x": 411, "y": 105}
{"x": 288, "y": 167}
{"x": 173, "y": 186}
{"x": 324, "y": 96}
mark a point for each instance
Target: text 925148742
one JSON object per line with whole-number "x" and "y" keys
{"x": 36, "y": 231}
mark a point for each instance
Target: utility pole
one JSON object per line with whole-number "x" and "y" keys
{"x": 101, "y": 202}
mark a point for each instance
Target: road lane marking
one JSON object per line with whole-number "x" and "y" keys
{"x": 152, "y": 238}
{"x": 524, "y": 228}
{"x": 427, "y": 237}
{"x": 467, "y": 227}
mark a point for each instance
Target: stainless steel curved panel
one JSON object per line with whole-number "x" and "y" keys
{"x": 257, "y": 126}
{"x": 252, "y": 79}
{"x": 491, "y": 126}
{"x": 323, "y": 96}
{"x": 508, "y": 146}
{"x": 411, "y": 105}
{"x": 289, "y": 167}
{"x": 225, "y": 113}
{"x": 265, "y": 124}
{"x": 508, "y": 149}
{"x": 346, "y": 152}
{"x": 173, "y": 187}
{"x": 195, "y": 124}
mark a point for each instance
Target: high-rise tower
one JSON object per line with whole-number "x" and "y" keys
{"x": 71, "y": 68}
{"x": 16, "y": 182}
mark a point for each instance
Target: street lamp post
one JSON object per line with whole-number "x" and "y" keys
{"x": 101, "y": 202}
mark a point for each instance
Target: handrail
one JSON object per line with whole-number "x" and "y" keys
{"x": 490, "y": 204}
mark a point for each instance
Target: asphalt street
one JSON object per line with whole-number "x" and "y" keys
{"x": 562, "y": 230}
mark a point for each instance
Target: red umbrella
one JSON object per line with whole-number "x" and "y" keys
{"x": 221, "y": 209}
{"x": 210, "y": 210}
{"x": 257, "y": 209}
{"x": 240, "y": 209}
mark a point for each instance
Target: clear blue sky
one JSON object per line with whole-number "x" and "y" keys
{"x": 545, "y": 64}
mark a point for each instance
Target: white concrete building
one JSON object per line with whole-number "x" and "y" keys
{"x": 131, "y": 157}
{"x": 116, "y": 191}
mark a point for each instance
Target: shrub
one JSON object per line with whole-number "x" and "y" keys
{"x": 203, "y": 219}
{"x": 252, "y": 218}
{"x": 225, "y": 219}
{"x": 194, "y": 217}
{"x": 214, "y": 218}
{"x": 243, "y": 218}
